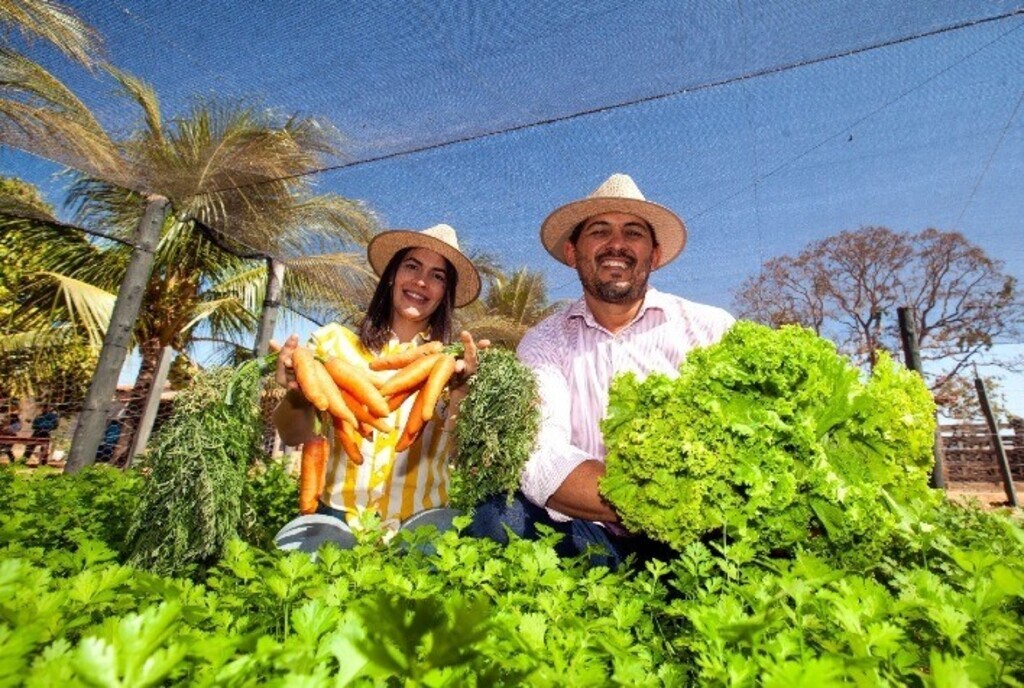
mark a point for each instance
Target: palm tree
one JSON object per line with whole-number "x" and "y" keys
{"x": 40, "y": 115}
{"x": 51, "y": 325}
{"x": 511, "y": 306}
{"x": 231, "y": 171}
{"x": 240, "y": 206}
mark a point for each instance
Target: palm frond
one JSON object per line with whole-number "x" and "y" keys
{"x": 56, "y": 24}
{"x": 39, "y": 115}
{"x": 497, "y": 328}
{"x": 247, "y": 285}
{"x": 337, "y": 280}
{"x": 143, "y": 94}
{"x": 326, "y": 223}
{"x": 34, "y": 339}
{"x": 222, "y": 316}
{"x": 88, "y": 306}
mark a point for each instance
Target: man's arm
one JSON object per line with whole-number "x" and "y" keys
{"x": 578, "y": 495}
{"x": 559, "y": 475}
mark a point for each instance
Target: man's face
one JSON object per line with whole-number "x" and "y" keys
{"x": 614, "y": 255}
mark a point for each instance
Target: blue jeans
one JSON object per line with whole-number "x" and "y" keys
{"x": 308, "y": 533}
{"x": 522, "y": 516}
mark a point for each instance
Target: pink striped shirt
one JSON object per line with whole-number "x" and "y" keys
{"x": 575, "y": 360}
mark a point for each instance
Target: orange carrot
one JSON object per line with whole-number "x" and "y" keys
{"x": 411, "y": 376}
{"x": 406, "y": 441}
{"x": 335, "y": 401}
{"x": 359, "y": 385}
{"x": 432, "y": 388}
{"x": 366, "y": 430}
{"x": 363, "y": 414}
{"x": 404, "y": 358}
{"x": 311, "y": 474}
{"x": 346, "y": 435}
{"x": 396, "y": 400}
{"x": 308, "y": 379}
{"x": 413, "y": 425}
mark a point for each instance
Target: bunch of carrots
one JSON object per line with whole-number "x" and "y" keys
{"x": 359, "y": 402}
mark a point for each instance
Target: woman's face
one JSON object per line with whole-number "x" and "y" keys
{"x": 420, "y": 284}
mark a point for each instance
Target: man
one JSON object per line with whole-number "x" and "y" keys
{"x": 614, "y": 239}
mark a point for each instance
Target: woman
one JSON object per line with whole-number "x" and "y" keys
{"x": 423, "y": 278}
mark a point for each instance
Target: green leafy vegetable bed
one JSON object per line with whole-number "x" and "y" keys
{"x": 810, "y": 554}
{"x": 943, "y": 606}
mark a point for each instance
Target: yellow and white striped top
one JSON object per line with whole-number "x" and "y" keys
{"x": 393, "y": 484}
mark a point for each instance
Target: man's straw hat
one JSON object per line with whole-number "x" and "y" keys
{"x": 618, "y": 194}
{"x": 440, "y": 239}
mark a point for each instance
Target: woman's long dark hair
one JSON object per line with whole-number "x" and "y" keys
{"x": 375, "y": 327}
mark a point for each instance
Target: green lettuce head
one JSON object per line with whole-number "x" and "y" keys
{"x": 770, "y": 438}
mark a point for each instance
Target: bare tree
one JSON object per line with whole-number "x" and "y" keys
{"x": 847, "y": 287}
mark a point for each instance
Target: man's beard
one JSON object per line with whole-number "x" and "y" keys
{"x": 618, "y": 291}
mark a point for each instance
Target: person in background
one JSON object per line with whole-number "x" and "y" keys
{"x": 111, "y": 434}
{"x": 614, "y": 239}
{"x": 11, "y": 429}
{"x": 424, "y": 277}
{"x": 42, "y": 428}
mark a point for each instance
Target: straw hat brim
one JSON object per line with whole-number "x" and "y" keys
{"x": 669, "y": 229}
{"x": 385, "y": 245}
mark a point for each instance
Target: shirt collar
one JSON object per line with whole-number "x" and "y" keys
{"x": 653, "y": 299}
{"x": 394, "y": 345}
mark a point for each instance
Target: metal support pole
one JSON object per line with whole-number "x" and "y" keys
{"x": 142, "y": 433}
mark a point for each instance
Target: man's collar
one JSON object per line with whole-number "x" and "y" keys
{"x": 653, "y": 299}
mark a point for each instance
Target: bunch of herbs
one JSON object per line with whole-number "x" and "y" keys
{"x": 191, "y": 502}
{"x": 496, "y": 429}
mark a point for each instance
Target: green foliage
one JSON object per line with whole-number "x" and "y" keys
{"x": 192, "y": 500}
{"x": 946, "y": 607}
{"x": 496, "y": 429}
{"x": 51, "y": 511}
{"x": 268, "y": 502}
{"x": 768, "y": 441}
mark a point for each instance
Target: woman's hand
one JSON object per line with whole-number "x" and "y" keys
{"x": 285, "y": 373}
{"x": 294, "y": 416}
{"x": 466, "y": 366}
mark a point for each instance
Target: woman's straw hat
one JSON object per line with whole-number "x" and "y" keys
{"x": 440, "y": 239}
{"x": 618, "y": 194}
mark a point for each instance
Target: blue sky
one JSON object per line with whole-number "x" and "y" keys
{"x": 919, "y": 133}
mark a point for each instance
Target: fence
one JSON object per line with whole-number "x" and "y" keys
{"x": 970, "y": 457}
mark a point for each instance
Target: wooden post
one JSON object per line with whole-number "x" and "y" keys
{"x": 912, "y": 357}
{"x": 92, "y": 419}
{"x": 271, "y": 303}
{"x": 997, "y": 442}
{"x": 156, "y": 389}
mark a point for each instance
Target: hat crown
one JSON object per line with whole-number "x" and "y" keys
{"x": 619, "y": 193}
{"x": 618, "y": 186}
{"x": 445, "y": 233}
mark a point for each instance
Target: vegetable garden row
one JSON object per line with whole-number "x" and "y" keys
{"x": 809, "y": 552}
